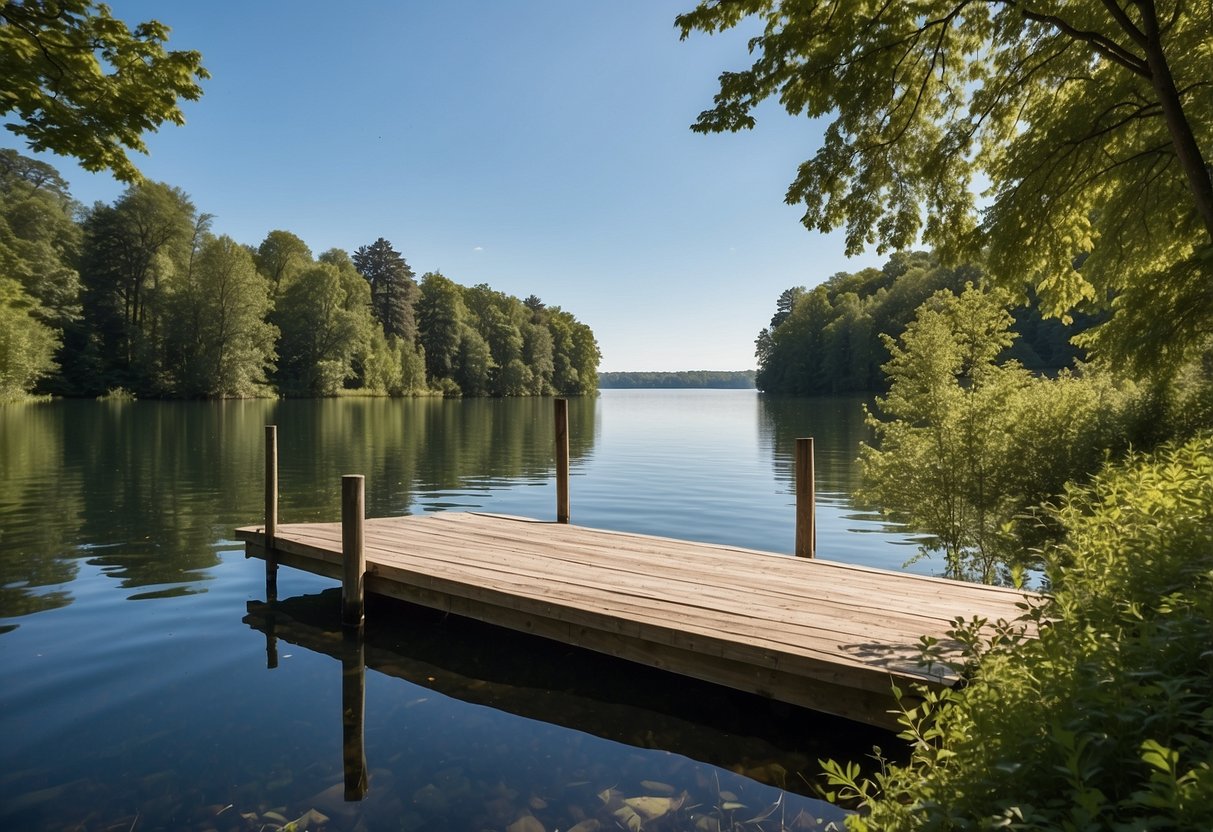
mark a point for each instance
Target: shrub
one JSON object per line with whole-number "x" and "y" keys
{"x": 1106, "y": 720}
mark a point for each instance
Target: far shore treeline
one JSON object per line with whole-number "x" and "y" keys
{"x": 141, "y": 297}
{"x": 681, "y": 379}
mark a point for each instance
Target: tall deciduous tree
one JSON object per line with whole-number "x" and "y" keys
{"x": 394, "y": 293}
{"x": 537, "y": 356}
{"x": 280, "y": 256}
{"x": 27, "y": 346}
{"x": 475, "y": 363}
{"x": 83, "y": 84}
{"x": 1089, "y": 119}
{"x": 220, "y": 340}
{"x": 39, "y": 238}
{"x": 323, "y": 328}
{"x": 443, "y": 317}
{"x": 575, "y": 354}
{"x": 132, "y": 250}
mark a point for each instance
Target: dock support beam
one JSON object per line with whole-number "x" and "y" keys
{"x": 806, "y": 500}
{"x": 353, "y": 554}
{"x": 271, "y": 512}
{"x": 562, "y": 460}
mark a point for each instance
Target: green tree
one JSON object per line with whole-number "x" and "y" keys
{"x": 220, "y": 342}
{"x": 850, "y": 364}
{"x": 394, "y": 293}
{"x": 575, "y": 354}
{"x": 475, "y": 366}
{"x": 785, "y": 305}
{"x": 971, "y": 445}
{"x": 392, "y": 366}
{"x": 280, "y": 256}
{"x": 442, "y": 316}
{"x": 27, "y": 346}
{"x": 85, "y": 85}
{"x": 132, "y": 250}
{"x": 1087, "y": 118}
{"x": 321, "y": 331}
{"x": 39, "y": 238}
{"x": 537, "y": 356}
{"x": 791, "y": 358}
{"x": 943, "y": 444}
{"x": 499, "y": 319}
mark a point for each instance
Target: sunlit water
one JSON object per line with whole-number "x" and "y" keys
{"x": 137, "y": 691}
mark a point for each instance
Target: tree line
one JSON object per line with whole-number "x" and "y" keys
{"x": 141, "y": 295}
{"x": 831, "y": 338}
{"x": 715, "y": 379}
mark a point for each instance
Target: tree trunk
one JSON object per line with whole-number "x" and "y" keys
{"x": 1184, "y": 141}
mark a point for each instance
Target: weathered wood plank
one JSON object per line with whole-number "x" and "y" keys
{"x": 755, "y": 577}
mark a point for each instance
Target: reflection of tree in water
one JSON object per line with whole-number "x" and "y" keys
{"x": 37, "y": 550}
{"x": 837, "y": 427}
{"x": 412, "y": 446}
{"x": 162, "y": 482}
{"x": 145, "y": 490}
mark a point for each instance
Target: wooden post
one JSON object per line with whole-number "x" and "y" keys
{"x": 353, "y": 714}
{"x": 806, "y": 500}
{"x": 353, "y": 556}
{"x": 562, "y": 460}
{"x": 271, "y": 512}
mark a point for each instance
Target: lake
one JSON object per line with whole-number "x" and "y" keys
{"x": 144, "y": 687}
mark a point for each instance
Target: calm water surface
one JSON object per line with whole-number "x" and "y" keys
{"x": 144, "y": 686}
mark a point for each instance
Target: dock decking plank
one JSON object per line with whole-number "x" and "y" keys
{"x": 854, "y": 593}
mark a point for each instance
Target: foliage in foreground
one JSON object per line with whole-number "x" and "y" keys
{"x": 971, "y": 445}
{"x": 84, "y": 84}
{"x": 1106, "y": 720}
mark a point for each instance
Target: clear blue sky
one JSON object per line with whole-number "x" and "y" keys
{"x": 539, "y": 146}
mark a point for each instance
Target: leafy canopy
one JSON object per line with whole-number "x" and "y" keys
{"x": 85, "y": 85}
{"x": 1086, "y": 119}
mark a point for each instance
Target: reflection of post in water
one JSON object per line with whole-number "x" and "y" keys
{"x": 271, "y": 512}
{"x": 271, "y": 636}
{"x": 353, "y": 712}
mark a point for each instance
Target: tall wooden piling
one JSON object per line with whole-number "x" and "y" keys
{"x": 271, "y": 511}
{"x": 353, "y": 552}
{"x": 562, "y": 460}
{"x": 806, "y": 500}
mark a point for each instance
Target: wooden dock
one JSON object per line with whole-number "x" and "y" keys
{"x": 823, "y": 635}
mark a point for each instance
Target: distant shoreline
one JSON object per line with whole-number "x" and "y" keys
{"x": 683, "y": 379}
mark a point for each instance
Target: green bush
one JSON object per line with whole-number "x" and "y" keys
{"x": 969, "y": 445}
{"x": 1104, "y": 722}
